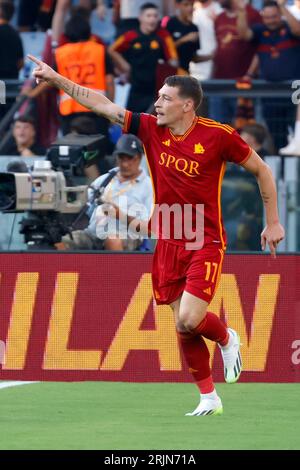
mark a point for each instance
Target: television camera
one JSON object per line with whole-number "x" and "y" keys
{"x": 47, "y": 192}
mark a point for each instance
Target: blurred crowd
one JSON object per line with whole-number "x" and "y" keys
{"x": 125, "y": 49}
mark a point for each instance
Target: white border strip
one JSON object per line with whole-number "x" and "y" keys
{"x": 15, "y": 384}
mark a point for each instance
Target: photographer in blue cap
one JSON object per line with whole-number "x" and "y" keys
{"x": 126, "y": 191}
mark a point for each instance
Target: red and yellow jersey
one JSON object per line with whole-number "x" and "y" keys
{"x": 143, "y": 52}
{"x": 136, "y": 40}
{"x": 189, "y": 169}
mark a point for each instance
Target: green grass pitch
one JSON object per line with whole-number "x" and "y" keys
{"x": 132, "y": 416}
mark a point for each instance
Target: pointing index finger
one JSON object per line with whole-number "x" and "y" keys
{"x": 34, "y": 59}
{"x": 272, "y": 246}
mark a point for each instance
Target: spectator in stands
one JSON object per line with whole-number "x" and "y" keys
{"x": 102, "y": 22}
{"x": 11, "y": 48}
{"x": 86, "y": 63}
{"x": 24, "y": 138}
{"x": 35, "y": 14}
{"x": 126, "y": 12}
{"x": 85, "y": 13}
{"x": 278, "y": 50}
{"x": 129, "y": 191}
{"x": 11, "y": 51}
{"x": 38, "y": 14}
{"x": 277, "y": 40}
{"x": 293, "y": 147}
{"x": 64, "y": 10}
{"x": 46, "y": 98}
{"x": 137, "y": 54}
{"x": 233, "y": 55}
{"x": 205, "y": 13}
{"x": 241, "y": 196}
{"x": 255, "y": 135}
{"x": 185, "y": 33}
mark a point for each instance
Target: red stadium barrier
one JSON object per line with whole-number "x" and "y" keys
{"x": 74, "y": 317}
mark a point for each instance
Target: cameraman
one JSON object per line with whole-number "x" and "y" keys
{"x": 130, "y": 190}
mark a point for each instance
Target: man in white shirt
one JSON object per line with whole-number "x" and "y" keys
{"x": 205, "y": 12}
{"x": 130, "y": 11}
{"x": 293, "y": 147}
{"x": 129, "y": 191}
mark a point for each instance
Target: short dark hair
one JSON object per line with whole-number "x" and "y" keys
{"x": 270, "y": 3}
{"x": 7, "y": 10}
{"x": 78, "y": 29}
{"x": 27, "y": 118}
{"x": 148, "y": 5}
{"x": 258, "y": 131}
{"x": 188, "y": 86}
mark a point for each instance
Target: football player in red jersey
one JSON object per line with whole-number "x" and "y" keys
{"x": 187, "y": 157}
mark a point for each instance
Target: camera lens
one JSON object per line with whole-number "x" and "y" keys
{"x": 7, "y": 192}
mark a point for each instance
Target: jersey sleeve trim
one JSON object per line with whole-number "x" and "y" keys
{"x": 132, "y": 122}
{"x": 170, "y": 51}
{"x": 123, "y": 42}
{"x": 247, "y": 157}
{"x": 127, "y": 121}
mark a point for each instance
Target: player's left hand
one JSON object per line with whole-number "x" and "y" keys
{"x": 272, "y": 235}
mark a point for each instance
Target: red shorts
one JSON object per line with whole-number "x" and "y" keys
{"x": 176, "y": 269}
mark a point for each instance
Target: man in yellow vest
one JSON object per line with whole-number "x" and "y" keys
{"x": 85, "y": 61}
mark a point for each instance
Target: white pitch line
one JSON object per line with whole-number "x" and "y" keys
{"x": 15, "y": 384}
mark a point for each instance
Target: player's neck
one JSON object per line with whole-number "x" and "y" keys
{"x": 180, "y": 127}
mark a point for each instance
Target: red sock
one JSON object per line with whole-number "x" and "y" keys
{"x": 212, "y": 328}
{"x": 206, "y": 385}
{"x": 196, "y": 355}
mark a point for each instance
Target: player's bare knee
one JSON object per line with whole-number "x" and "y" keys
{"x": 183, "y": 321}
{"x": 180, "y": 327}
{"x": 187, "y": 321}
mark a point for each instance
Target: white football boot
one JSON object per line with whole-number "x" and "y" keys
{"x": 232, "y": 358}
{"x": 208, "y": 407}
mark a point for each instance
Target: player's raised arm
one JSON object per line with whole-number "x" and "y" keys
{"x": 273, "y": 233}
{"x": 91, "y": 99}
